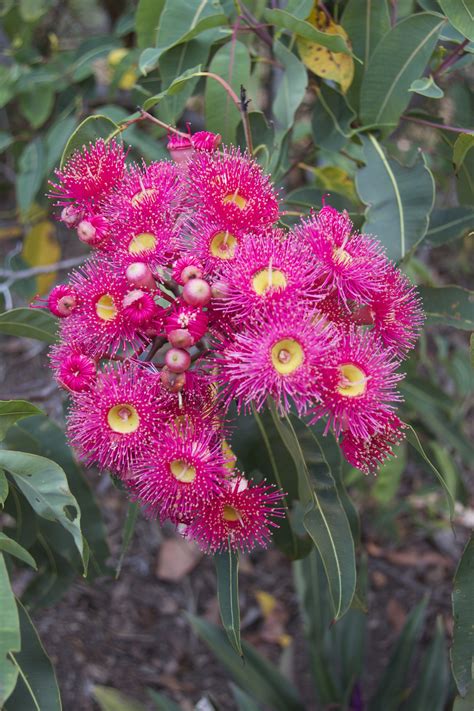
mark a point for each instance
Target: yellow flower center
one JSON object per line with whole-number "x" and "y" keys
{"x": 182, "y": 471}
{"x": 123, "y": 419}
{"x": 287, "y": 356}
{"x": 141, "y": 243}
{"x": 340, "y": 255}
{"x": 268, "y": 279}
{"x": 142, "y": 195}
{"x": 353, "y": 380}
{"x": 235, "y": 199}
{"x": 231, "y": 514}
{"x": 228, "y": 455}
{"x": 223, "y": 245}
{"x": 105, "y": 308}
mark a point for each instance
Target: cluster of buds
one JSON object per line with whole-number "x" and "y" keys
{"x": 193, "y": 298}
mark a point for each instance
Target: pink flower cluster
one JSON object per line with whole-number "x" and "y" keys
{"x": 193, "y": 298}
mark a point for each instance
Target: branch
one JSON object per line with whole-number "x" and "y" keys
{"x": 12, "y": 275}
{"x": 450, "y": 59}
{"x": 433, "y": 124}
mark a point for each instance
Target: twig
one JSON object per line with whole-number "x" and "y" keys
{"x": 252, "y": 22}
{"x": 13, "y": 276}
{"x": 433, "y": 124}
{"x": 244, "y": 103}
{"x": 153, "y": 119}
{"x": 450, "y": 59}
{"x": 156, "y": 345}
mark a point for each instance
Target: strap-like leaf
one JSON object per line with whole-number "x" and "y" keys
{"x": 227, "y": 570}
{"x": 462, "y": 650}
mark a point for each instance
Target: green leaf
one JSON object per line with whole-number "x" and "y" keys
{"x": 37, "y": 105}
{"x": 45, "y": 486}
{"x": 463, "y": 636}
{"x": 243, "y": 700}
{"x": 461, "y": 15}
{"x": 13, "y": 548}
{"x": 10, "y": 640}
{"x": 412, "y": 438}
{"x": 178, "y": 25}
{"x": 432, "y": 679}
{"x": 92, "y": 128}
{"x": 448, "y": 224}
{"x": 112, "y": 700}
{"x": 13, "y": 410}
{"x": 3, "y": 487}
{"x": 324, "y": 517}
{"x": 37, "y": 686}
{"x": 399, "y": 198}
{"x": 6, "y": 139}
{"x": 30, "y": 173}
{"x": 466, "y": 703}
{"x": 257, "y": 676}
{"x": 292, "y": 87}
{"x": 427, "y": 87}
{"x": 463, "y": 144}
{"x": 56, "y": 139}
{"x": 263, "y": 137}
{"x": 174, "y": 88}
{"x": 87, "y": 56}
{"x": 40, "y": 435}
{"x": 331, "y": 119}
{"x": 227, "y": 571}
{"x": 366, "y": 22}
{"x": 162, "y": 702}
{"x": 389, "y": 476}
{"x": 394, "y": 682}
{"x": 285, "y": 21}
{"x": 232, "y": 63}
{"x": 448, "y": 306}
{"x": 400, "y": 57}
{"x": 132, "y": 514}
{"x": 147, "y": 19}
{"x": 29, "y": 323}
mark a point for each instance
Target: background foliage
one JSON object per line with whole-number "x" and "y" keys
{"x": 370, "y": 102}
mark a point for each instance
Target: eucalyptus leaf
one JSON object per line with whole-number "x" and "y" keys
{"x": 92, "y": 128}
{"x": 427, "y": 87}
{"x": 448, "y": 224}
{"x": 463, "y": 145}
{"x": 331, "y": 119}
{"x": 448, "y": 306}
{"x": 292, "y": 87}
{"x": 31, "y": 171}
{"x": 285, "y": 21}
{"x": 8, "y": 545}
{"x": 29, "y": 323}
{"x": 243, "y": 700}
{"x": 13, "y": 410}
{"x": 174, "y": 88}
{"x": 10, "y": 639}
{"x": 399, "y": 198}
{"x": 460, "y": 13}
{"x": 3, "y": 487}
{"x": 227, "y": 570}
{"x": 414, "y": 440}
{"x": 462, "y": 650}
{"x": 147, "y": 19}
{"x": 37, "y": 105}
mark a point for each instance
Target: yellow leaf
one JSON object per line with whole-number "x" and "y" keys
{"x": 326, "y": 64}
{"x": 333, "y": 179}
{"x": 40, "y": 248}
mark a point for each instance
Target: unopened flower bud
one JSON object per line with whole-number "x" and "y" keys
{"x": 177, "y": 360}
{"x": 62, "y": 301}
{"x": 174, "y": 382}
{"x": 139, "y": 274}
{"x": 197, "y": 292}
{"x": 71, "y": 216}
{"x": 180, "y": 338}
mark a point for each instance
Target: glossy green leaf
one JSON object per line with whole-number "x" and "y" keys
{"x": 365, "y": 22}
{"x": 432, "y": 679}
{"x": 162, "y": 702}
{"x": 8, "y": 545}
{"x": 147, "y": 18}
{"x": 463, "y": 144}
{"x": 448, "y": 306}
{"x": 13, "y": 410}
{"x": 40, "y": 435}
{"x": 427, "y": 87}
{"x": 463, "y": 636}
{"x": 292, "y": 88}
{"x": 324, "y": 517}
{"x": 460, "y": 13}
{"x": 37, "y": 686}
{"x": 232, "y": 63}
{"x": 174, "y": 88}
{"x": 399, "y": 198}
{"x": 450, "y": 223}
{"x": 331, "y": 119}
{"x": 227, "y": 571}
{"x": 92, "y": 128}
{"x": 130, "y": 520}
{"x": 257, "y": 676}
{"x": 399, "y": 58}
{"x": 45, "y": 486}
{"x": 180, "y": 22}
{"x": 3, "y": 487}
{"x": 37, "y": 105}
{"x": 29, "y": 323}
{"x": 112, "y": 700}
{"x": 30, "y": 173}
{"x": 10, "y": 640}
{"x": 413, "y": 439}
{"x": 285, "y": 21}
{"x": 394, "y": 682}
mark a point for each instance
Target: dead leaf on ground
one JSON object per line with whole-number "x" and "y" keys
{"x": 396, "y": 614}
{"x": 176, "y": 558}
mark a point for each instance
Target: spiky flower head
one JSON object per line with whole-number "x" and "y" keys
{"x": 368, "y": 454}
{"x": 276, "y": 354}
{"x": 62, "y": 300}
{"x": 73, "y": 369}
{"x": 90, "y": 174}
{"x": 190, "y": 318}
{"x": 359, "y": 380}
{"x": 214, "y": 242}
{"x": 231, "y": 187}
{"x": 185, "y": 469}
{"x": 114, "y": 422}
{"x": 241, "y": 516}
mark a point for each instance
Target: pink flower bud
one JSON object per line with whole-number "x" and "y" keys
{"x": 93, "y": 230}
{"x": 180, "y": 338}
{"x": 62, "y": 301}
{"x": 197, "y": 292}
{"x": 71, "y": 216}
{"x": 139, "y": 308}
{"x": 139, "y": 274}
{"x": 174, "y": 382}
{"x": 177, "y": 360}
{"x": 180, "y": 148}
{"x": 206, "y": 141}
